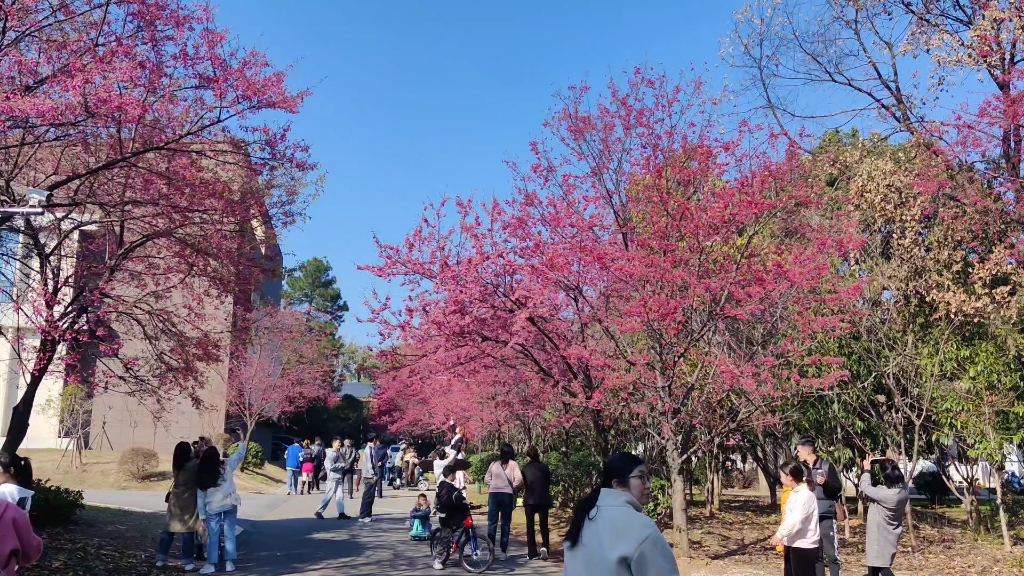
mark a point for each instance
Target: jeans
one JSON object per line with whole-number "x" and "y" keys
{"x": 380, "y": 484}
{"x": 500, "y": 505}
{"x": 188, "y": 546}
{"x": 369, "y": 494}
{"x": 828, "y": 552}
{"x": 228, "y": 520}
{"x": 317, "y": 468}
{"x": 531, "y": 536}
{"x": 800, "y": 561}
{"x": 333, "y": 489}
{"x": 876, "y": 571}
{"x": 293, "y": 480}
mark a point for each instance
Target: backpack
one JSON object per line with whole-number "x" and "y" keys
{"x": 444, "y": 499}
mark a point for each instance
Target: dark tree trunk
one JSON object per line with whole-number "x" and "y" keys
{"x": 18, "y": 428}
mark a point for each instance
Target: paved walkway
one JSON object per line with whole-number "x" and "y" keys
{"x": 280, "y": 536}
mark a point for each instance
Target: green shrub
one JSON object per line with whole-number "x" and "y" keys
{"x": 481, "y": 462}
{"x": 254, "y": 459}
{"x": 54, "y": 505}
{"x": 138, "y": 463}
{"x": 660, "y": 506}
{"x": 930, "y": 484}
{"x": 574, "y": 477}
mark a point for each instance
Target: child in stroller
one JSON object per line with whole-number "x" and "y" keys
{"x": 419, "y": 519}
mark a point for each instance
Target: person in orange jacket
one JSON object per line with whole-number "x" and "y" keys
{"x": 782, "y": 506}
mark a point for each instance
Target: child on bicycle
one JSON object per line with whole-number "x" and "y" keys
{"x": 419, "y": 519}
{"x": 451, "y": 505}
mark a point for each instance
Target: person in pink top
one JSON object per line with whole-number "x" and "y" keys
{"x": 503, "y": 479}
{"x": 19, "y": 545}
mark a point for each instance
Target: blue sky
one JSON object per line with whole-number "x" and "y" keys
{"x": 413, "y": 100}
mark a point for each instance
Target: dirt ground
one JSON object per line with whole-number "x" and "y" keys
{"x": 735, "y": 543}
{"x": 99, "y": 472}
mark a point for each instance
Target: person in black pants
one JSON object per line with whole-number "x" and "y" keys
{"x": 370, "y": 479}
{"x": 319, "y": 454}
{"x": 381, "y": 462}
{"x": 536, "y": 503}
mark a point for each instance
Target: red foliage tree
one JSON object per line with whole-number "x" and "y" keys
{"x": 281, "y": 365}
{"x": 140, "y": 117}
{"x": 650, "y": 264}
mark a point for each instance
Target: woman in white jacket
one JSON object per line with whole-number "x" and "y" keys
{"x": 799, "y": 532}
{"x": 609, "y": 535}
{"x": 218, "y": 503}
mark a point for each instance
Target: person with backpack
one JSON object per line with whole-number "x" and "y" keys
{"x": 828, "y": 489}
{"x": 319, "y": 455}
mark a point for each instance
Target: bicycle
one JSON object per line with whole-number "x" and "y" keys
{"x": 476, "y": 554}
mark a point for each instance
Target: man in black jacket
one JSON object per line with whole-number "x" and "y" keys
{"x": 319, "y": 454}
{"x": 828, "y": 489}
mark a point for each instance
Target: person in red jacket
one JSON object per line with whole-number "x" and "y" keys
{"x": 19, "y": 545}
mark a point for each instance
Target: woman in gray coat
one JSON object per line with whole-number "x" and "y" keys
{"x": 182, "y": 516}
{"x": 888, "y": 506}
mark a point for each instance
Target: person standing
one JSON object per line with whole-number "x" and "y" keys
{"x": 182, "y": 508}
{"x": 828, "y": 488}
{"x": 19, "y": 545}
{"x": 319, "y": 454}
{"x": 349, "y": 457}
{"x": 371, "y": 468}
{"x": 609, "y": 535}
{"x": 218, "y": 502}
{"x": 335, "y": 476}
{"x": 888, "y": 505}
{"x": 536, "y": 503}
{"x": 504, "y": 478}
{"x": 308, "y": 468}
{"x": 381, "y": 455}
{"x": 293, "y": 464}
{"x": 799, "y": 532}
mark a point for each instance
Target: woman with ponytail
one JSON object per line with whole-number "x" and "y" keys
{"x": 609, "y": 535}
{"x": 799, "y": 534}
{"x": 16, "y": 480}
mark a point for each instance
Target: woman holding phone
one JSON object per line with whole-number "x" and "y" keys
{"x": 888, "y": 504}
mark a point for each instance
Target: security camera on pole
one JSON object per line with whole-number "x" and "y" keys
{"x": 34, "y": 200}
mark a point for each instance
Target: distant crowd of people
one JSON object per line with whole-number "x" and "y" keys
{"x": 608, "y": 532}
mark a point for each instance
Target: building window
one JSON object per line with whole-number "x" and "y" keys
{"x": 8, "y": 264}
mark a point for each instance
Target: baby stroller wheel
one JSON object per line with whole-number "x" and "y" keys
{"x": 422, "y": 485}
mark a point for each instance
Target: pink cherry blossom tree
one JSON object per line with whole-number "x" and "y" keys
{"x": 141, "y": 118}
{"x": 281, "y": 365}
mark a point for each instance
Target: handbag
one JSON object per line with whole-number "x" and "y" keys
{"x": 323, "y": 475}
{"x": 167, "y": 497}
{"x": 518, "y": 501}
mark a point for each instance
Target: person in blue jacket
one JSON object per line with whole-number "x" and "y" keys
{"x": 293, "y": 463}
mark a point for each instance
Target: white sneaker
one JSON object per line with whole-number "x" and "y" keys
{"x": 366, "y": 520}
{"x": 438, "y": 565}
{"x": 229, "y": 566}
{"x": 160, "y": 563}
{"x": 189, "y": 567}
{"x": 208, "y": 569}
{"x": 502, "y": 556}
{"x": 543, "y": 553}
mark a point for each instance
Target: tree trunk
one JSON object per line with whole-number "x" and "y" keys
{"x": 709, "y": 487}
{"x": 718, "y": 489}
{"x": 1007, "y": 543}
{"x": 679, "y": 507}
{"x": 18, "y": 428}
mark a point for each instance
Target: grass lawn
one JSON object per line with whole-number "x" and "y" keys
{"x": 99, "y": 472}
{"x": 101, "y": 541}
